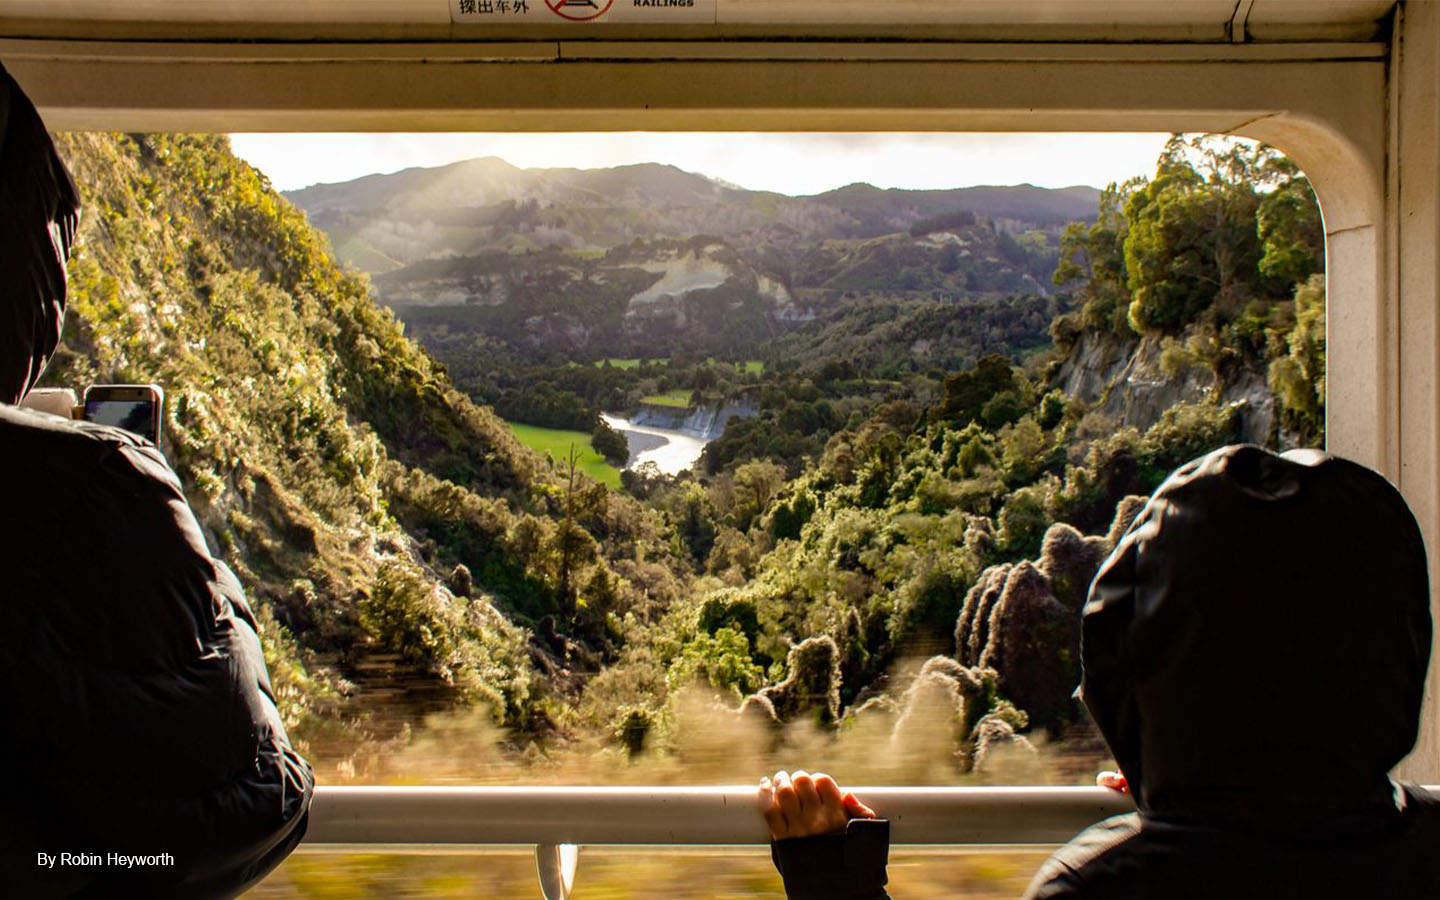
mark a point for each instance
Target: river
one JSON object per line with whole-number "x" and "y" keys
{"x": 671, "y": 450}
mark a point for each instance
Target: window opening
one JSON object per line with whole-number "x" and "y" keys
{"x": 634, "y": 474}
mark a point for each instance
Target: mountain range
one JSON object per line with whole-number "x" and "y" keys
{"x": 383, "y": 222}
{"x": 650, "y": 260}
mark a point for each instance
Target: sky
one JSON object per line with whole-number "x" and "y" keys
{"x": 788, "y": 163}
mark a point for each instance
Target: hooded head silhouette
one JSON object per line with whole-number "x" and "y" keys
{"x": 39, "y": 212}
{"x": 1255, "y": 648}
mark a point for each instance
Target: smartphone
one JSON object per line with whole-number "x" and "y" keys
{"x": 136, "y": 408}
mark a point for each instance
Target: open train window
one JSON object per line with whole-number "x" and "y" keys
{"x": 1342, "y": 96}
{"x": 633, "y": 474}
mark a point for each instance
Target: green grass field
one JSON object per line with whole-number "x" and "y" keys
{"x": 748, "y": 367}
{"x": 559, "y": 442}
{"x": 678, "y": 398}
{"x": 617, "y": 363}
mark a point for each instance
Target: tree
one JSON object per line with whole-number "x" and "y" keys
{"x": 693, "y": 516}
{"x": 643, "y": 480}
{"x": 966, "y": 394}
{"x": 756, "y": 482}
{"x": 1290, "y": 228}
{"x": 791, "y": 515}
{"x": 1009, "y": 249}
{"x": 610, "y": 443}
{"x": 1022, "y": 449}
{"x": 574, "y": 547}
{"x": 1093, "y": 259}
{"x": 1221, "y": 223}
{"x": 1192, "y": 241}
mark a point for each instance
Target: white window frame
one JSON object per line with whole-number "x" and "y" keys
{"x": 1360, "y": 118}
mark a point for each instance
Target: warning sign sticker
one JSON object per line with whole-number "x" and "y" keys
{"x": 579, "y": 10}
{"x": 542, "y": 12}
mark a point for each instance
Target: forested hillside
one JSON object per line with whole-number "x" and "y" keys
{"x": 387, "y": 528}
{"x": 895, "y": 544}
{"x": 566, "y": 265}
{"x": 381, "y": 222}
{"x": 964, "y": 529}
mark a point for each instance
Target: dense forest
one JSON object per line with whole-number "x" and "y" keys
{"x": 894, "y": 545}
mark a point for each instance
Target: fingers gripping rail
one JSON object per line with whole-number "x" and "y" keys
{"x": 557, "y": 820}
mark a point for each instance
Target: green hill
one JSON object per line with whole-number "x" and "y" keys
{"x": 328, "y": 457}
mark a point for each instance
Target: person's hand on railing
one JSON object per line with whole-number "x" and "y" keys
{"x": 802, "y": 805}
{"x": 1115, "y": 781}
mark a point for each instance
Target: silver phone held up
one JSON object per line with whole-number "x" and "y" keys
{"x": 137, "y": 408}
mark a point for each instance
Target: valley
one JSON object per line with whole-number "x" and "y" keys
{"x": 902, "y": 429}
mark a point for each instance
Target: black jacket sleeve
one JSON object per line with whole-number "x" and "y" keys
{"x": 849, "y": 866}
{"x": 140, "y": 705}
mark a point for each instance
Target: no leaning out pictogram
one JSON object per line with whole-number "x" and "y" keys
{"x": 579, "y": 10}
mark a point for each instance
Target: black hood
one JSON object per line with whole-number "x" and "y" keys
{"x": 39, "y": 211}
{"x": 1255, "y": 648}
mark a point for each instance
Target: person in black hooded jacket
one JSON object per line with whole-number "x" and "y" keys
{"x": 138, "y": 715}
{"x": 1254, "y": 653}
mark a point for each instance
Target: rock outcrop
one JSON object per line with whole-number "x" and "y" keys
{"x": 1124, "y": 379}
{"x": 813, "y": 685}
{"x": 1022, "y": 620}
{"x": 998, "y": 747}
{"x": 939, "y": 711}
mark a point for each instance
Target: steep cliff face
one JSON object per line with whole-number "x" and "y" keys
{"x": 1133, "y": 381}
{"x": 646, "y": 297}
{"x": 707, "y": 421}
{"x": 377, "y": 517}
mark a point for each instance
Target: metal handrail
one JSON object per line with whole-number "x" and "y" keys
{"x": 721, "y": 815}
{"x": 557, "y": 820}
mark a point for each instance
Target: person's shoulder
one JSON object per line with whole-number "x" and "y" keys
{"x": 73, "y": 481}
{"x": 1095, "y": 855}
{"x": 49, "y": 463}
{"x": 37, "y": 443}
{"x": 41, "y": 440}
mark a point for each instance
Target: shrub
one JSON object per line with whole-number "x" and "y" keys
{"x": 722, "y": 659}
{"x": 1052, "y": 410}
{"x": 632, "y": 727}
{"x": 1024, "y": 518}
